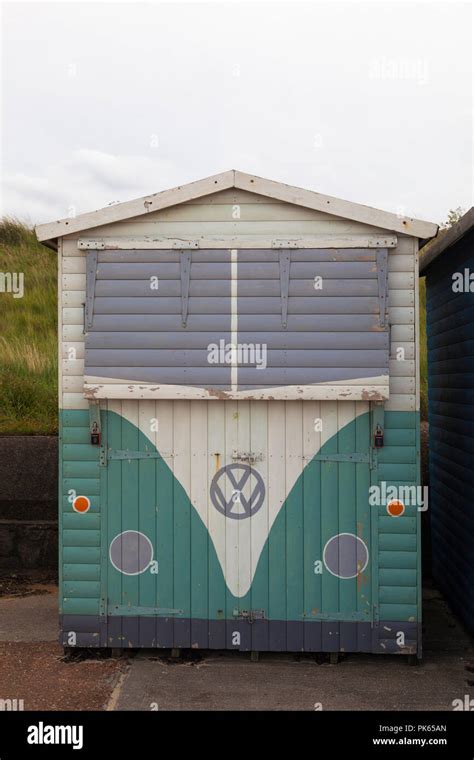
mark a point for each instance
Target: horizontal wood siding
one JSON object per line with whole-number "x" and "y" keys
{"x": 333, "y": 331}
{"x": 283, "y": 430}
{"x": 80, "y": 534}
{"x": 450, "y": 329}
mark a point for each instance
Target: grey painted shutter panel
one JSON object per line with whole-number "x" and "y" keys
{"x": 126, "y": 306}
{"x": 284, "y": 284}
{"x": 91, "y": 273}
{"x": 185, "y": 271}
{"x": 163, "y": 336}
{"x": 382, "y": 281}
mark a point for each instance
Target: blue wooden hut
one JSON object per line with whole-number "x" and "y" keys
{"x": 448, "y": 264}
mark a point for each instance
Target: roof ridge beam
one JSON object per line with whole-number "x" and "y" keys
{"x": 138, "y": 207}
{"x": 337, "y": 206}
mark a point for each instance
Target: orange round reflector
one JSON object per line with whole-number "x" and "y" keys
{"x": 395, "y": 508}
{"x": 81, "y": 504}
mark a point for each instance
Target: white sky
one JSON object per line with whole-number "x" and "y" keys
{"x": 368, "y": 101}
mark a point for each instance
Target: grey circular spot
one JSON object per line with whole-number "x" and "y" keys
{"x": 131, "y": 552}
{"x": 345, "y": 555}
{"x": 227, "y": 491}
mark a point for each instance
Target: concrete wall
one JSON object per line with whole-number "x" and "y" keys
{"x": 28, "y": 503}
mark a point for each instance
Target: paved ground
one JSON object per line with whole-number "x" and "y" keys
{"x": 32, "y": 664}
{"x": 32, "y": 667}
{"x": 30, "y": 615}
{"x": 37, "y": 674}
{"x": 229, "y": 681}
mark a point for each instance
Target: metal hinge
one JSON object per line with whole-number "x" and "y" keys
{"x": 373, "y": 463}
{"x": 249, "y": 615}
{"x": 247, "y": 456}
{"x": 146, "y": 611}
{"x": 339, "y": 458}
{"x": 91, "y": 245}
{"x": 285, "y": 244}
{"x": 375, "y": 615}
{"x": 183, "y": 245}
{"x": 127, "y": 455}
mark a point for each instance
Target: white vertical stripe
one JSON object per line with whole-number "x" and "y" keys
{"x": 233, "y": 319}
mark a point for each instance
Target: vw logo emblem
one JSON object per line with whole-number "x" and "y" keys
{"x": 227, "y": 491}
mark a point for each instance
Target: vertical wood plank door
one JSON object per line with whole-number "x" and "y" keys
{"x": 238, "y": 524}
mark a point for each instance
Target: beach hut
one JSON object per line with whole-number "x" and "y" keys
{"x": 447, "y": 262}
{"x": 239, "y": 395}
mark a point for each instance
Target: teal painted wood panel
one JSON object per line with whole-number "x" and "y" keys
{"x": 78, "y": 537}
{"x": 155, "y": 496}
{"x": 400, "y": 420}
{"x": 79, "y": 521}
{"x": 164, "y": 492}
{"x": 398, "y": 559}
{"x": 82, "y": 486}
{"x": 79, "y": 452}
{"x": 399, "y": 436}
{"x": 72, "y": 418}
{"x": 402, "y": 472}
{"x": 401, "y": 612}
{"x": 345, "y": 510}
{"x": 76, "y": 435}
{"x": 130, "y": 497}
{"x": 397, "y": 594}
{"x": 403, "y": 524}
{"x": 397, "y": 454}
{"x": 330, "y": 516}
{"x": 397, "y": 577}
{"x": 312, "y": 527}
{"x": 363, "y": 514}
{"x": 82, "y": 554}
{"x": 81, "y": 589}
{"x": 81, "y": 572}
{"x": 397, "y": 542}
{"x": 114, "y": 509}
{"x": 81, "y": 470}
{"x": 346, "y": 505}
{"x": 80, "y": 606}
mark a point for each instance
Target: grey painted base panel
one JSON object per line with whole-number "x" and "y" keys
{"x": 240, "y": 635}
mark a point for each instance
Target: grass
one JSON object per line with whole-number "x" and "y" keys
{"x": 28, "y": 343}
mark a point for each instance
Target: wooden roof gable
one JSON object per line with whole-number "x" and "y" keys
{"x": 242, "y": 181}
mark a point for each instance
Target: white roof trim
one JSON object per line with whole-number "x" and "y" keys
{"x": 241, "y": 181}
{"x": 235, "y": 241}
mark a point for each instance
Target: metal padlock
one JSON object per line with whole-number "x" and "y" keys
{"x": 95, "y": 434}
{"x": 378, "y": 437}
